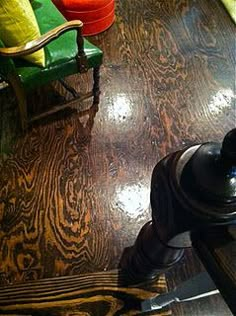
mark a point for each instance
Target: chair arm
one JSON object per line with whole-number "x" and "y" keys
{"x": 46, "y": 38}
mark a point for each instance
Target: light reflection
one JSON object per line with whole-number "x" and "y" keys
{"x": 120, "y": 109}
{"x": 133, "y": 199}
{"x": 221, "y": 101}
{"x": 232, "y": 181}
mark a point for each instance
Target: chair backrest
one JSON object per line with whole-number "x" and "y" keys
{"x": 7, "y": 65}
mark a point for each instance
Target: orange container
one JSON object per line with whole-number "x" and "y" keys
{"x": 96, "y": 15}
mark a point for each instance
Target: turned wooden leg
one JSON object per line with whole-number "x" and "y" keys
{"x": 21, "y": 99}
{"x": 96, "y": 88}
{"x": 149, "y": 257}
{"x": 152, "y": 253}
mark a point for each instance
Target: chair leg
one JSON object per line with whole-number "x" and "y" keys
{"x": 96, "y": 88}
{"x": 21, "y": 99}
{"x": 22, "y": 104}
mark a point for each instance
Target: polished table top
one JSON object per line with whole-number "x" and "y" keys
{"x": 75, "y": 190}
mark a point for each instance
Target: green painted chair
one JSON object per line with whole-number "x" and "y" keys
{"x": 67, "y": 53}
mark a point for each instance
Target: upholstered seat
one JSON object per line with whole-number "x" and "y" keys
{"x": 58, "y": 66}
{"x": 61, "y": 54}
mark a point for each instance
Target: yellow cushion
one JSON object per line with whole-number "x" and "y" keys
{"x": 231, "y": 8}
{"x": 18, "y": 26}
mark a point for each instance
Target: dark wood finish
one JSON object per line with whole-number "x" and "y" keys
{"x": 104, "y": 293}
{"x": 74, "y": 194}
{"x": 181, "y": 205}
{"x": 149, "y": 256}
{"x": 16, "y": 85}
{"x": 81, "y": 57}
{"x": 217, "y": 250}
{"x": 69, "y": 104}
{"x": 190, "y": 265}
{"x": 96, "y": 86}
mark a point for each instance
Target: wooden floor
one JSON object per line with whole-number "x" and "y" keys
{"x": 74, "y": 192}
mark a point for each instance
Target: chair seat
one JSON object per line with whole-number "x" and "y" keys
{"x": 60, "y": 54}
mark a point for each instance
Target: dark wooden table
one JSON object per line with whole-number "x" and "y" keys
{"x": 74, "y": 192}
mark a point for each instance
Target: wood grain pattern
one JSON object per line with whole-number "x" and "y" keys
{"x": 217, "y": 251}
{"x": 75, "y": 190}
{"x": 104, "y": 293}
